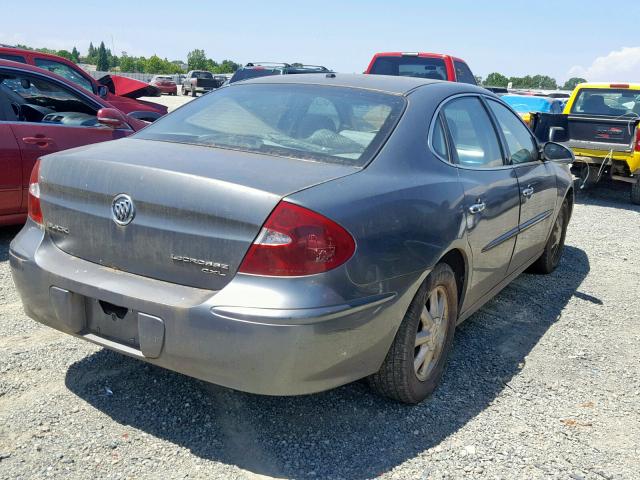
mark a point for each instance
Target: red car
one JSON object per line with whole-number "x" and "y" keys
{"x": 424, "y": 65}
{"x": 121, "y": 92}
{"x": 41, "y": 113}
{"x": 165, "y": 84}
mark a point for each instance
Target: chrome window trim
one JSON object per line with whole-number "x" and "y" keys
{"x": 481, "y": 97}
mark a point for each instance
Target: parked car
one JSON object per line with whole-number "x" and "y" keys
{"x": 165, "y": 84}
{"x": 200, "y": 81}
{"x": 435, "y": 66}
{"x": 308, "y": 237}
{"x": 41, "y": 113}
{"x": 600, "y": 124}
{"x": 266, "y": 69}
{"x": 121, "y": 92}
{"x": 525, "y": 105}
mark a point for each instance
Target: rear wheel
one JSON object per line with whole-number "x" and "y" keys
{"x": 550, "y": 258}
{"x": 183, "y": 91}
{"x": 635, "y": 192}
{"x": 415, "y": 362}
{"x": 193, "y": 91}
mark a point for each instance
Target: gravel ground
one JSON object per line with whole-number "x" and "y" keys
{"x": 543, "y": 383}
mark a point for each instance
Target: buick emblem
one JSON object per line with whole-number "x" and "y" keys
{"x": 122, "y": 209}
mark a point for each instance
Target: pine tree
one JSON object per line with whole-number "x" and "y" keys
{"x": 75, "y": 55}
{"x": 102, "y": 63}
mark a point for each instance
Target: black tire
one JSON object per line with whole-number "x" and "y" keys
{"x": 635, "y": 192}
{"x": 587, "y": 176}
{"x": 397, "y": 378}
{"x": 193, "y": 92}
{"x": 552, "y": 254}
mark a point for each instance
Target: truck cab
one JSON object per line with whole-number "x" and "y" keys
{"x": 435, "y": 66}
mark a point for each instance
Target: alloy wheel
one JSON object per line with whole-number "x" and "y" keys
{"x": 432, "y": 332}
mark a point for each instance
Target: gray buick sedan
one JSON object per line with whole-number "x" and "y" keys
{"x": 287, "y": 235}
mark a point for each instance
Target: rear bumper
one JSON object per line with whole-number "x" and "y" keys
{"x": 167, "y": 89}
{"x": 273, "y": 351}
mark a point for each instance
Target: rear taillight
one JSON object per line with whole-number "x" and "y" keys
{"x": 35, "y": 213}
{"x": 296, "y": 241}
{"x": 638, "y": 138}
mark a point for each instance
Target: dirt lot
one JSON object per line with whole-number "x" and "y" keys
{"x": 543, "y": 383}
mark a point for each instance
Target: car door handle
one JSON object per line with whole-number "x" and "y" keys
{"x": 527, "y": 192}
{"x": 38, "y": 140}
{"x": 477, "y": 208}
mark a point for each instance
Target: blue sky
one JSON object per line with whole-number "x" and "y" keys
{"x": 515, "y": 38}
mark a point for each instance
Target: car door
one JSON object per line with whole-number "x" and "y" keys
{"x": 35, "y": 137}
{"x": 10, "y": 163}
{"x": 537, "y": 184}
{"x": 491, "y": 192}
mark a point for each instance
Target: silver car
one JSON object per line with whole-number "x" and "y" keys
{"x": 291, "y": 234}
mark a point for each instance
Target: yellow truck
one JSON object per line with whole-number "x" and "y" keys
{"x": 600, "y": 124}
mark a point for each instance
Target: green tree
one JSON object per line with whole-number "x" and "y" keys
{"x": 496, "y": 79}
{"x": 102, "y": 60}
{"x": 127, "y": 64}
{"x": 197, "y": 60}
{"x": 572, "y": 83}
{"x": 92, "y": 52}
{"x": 478, "y": 79}
{"x": 64, "y": 54}
{"x": 75, "y": 55}
{"x": 155, "y": 64}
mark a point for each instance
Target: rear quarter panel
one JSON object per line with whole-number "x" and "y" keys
{"x": 405, "y": 209}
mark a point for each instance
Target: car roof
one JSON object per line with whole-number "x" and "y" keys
{"x": 385, "y": 83}
{"x": 608, "y": 85}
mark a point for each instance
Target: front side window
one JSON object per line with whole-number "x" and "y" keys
{"x": 326, "y": 124}
{"x": 410, "y": 66}
{"x": 474, "y": 139}
{"x": 65, "y": 71}
{"x": 522, "y": 147}
{"x": 463, "y": 73}
{"x": 36, "y": 100}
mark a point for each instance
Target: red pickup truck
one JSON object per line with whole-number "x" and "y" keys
{"x": 121, "y": 92}
{"x": 423, "y": 65}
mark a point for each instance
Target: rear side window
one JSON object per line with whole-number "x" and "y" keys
{"x": 463, "y": 73}
{"x": 13, "y": 58}
{"x": 409, "y": 66}
{"x": 522, "y": 147}
{"x": 438, "y": 141}
{"x": 475, "y": 142}
{"x": 246, "y": 73}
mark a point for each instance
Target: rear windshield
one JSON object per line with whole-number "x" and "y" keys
{"x": 607, "y": 101}
{"x": 326, "y": 124}
{"x": 202, "y": 75}
{"x": 13, "y": 58}
{"x": 245, "y": 73}
{"x": 421, "y": 67}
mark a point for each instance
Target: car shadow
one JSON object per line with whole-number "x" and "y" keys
{"x": 345, "y": 433}
{"x": 6, "y": 235}
{"x": 606, "y": 193}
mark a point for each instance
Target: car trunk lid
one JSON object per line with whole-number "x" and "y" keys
{"x": 197, "y": 209}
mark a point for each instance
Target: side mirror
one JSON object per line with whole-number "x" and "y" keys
{"x": 557, "y": 153}
{"x": 103, "y": 91}
{"x": 112, "y": 118}
{"x": 556, "y": 133}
